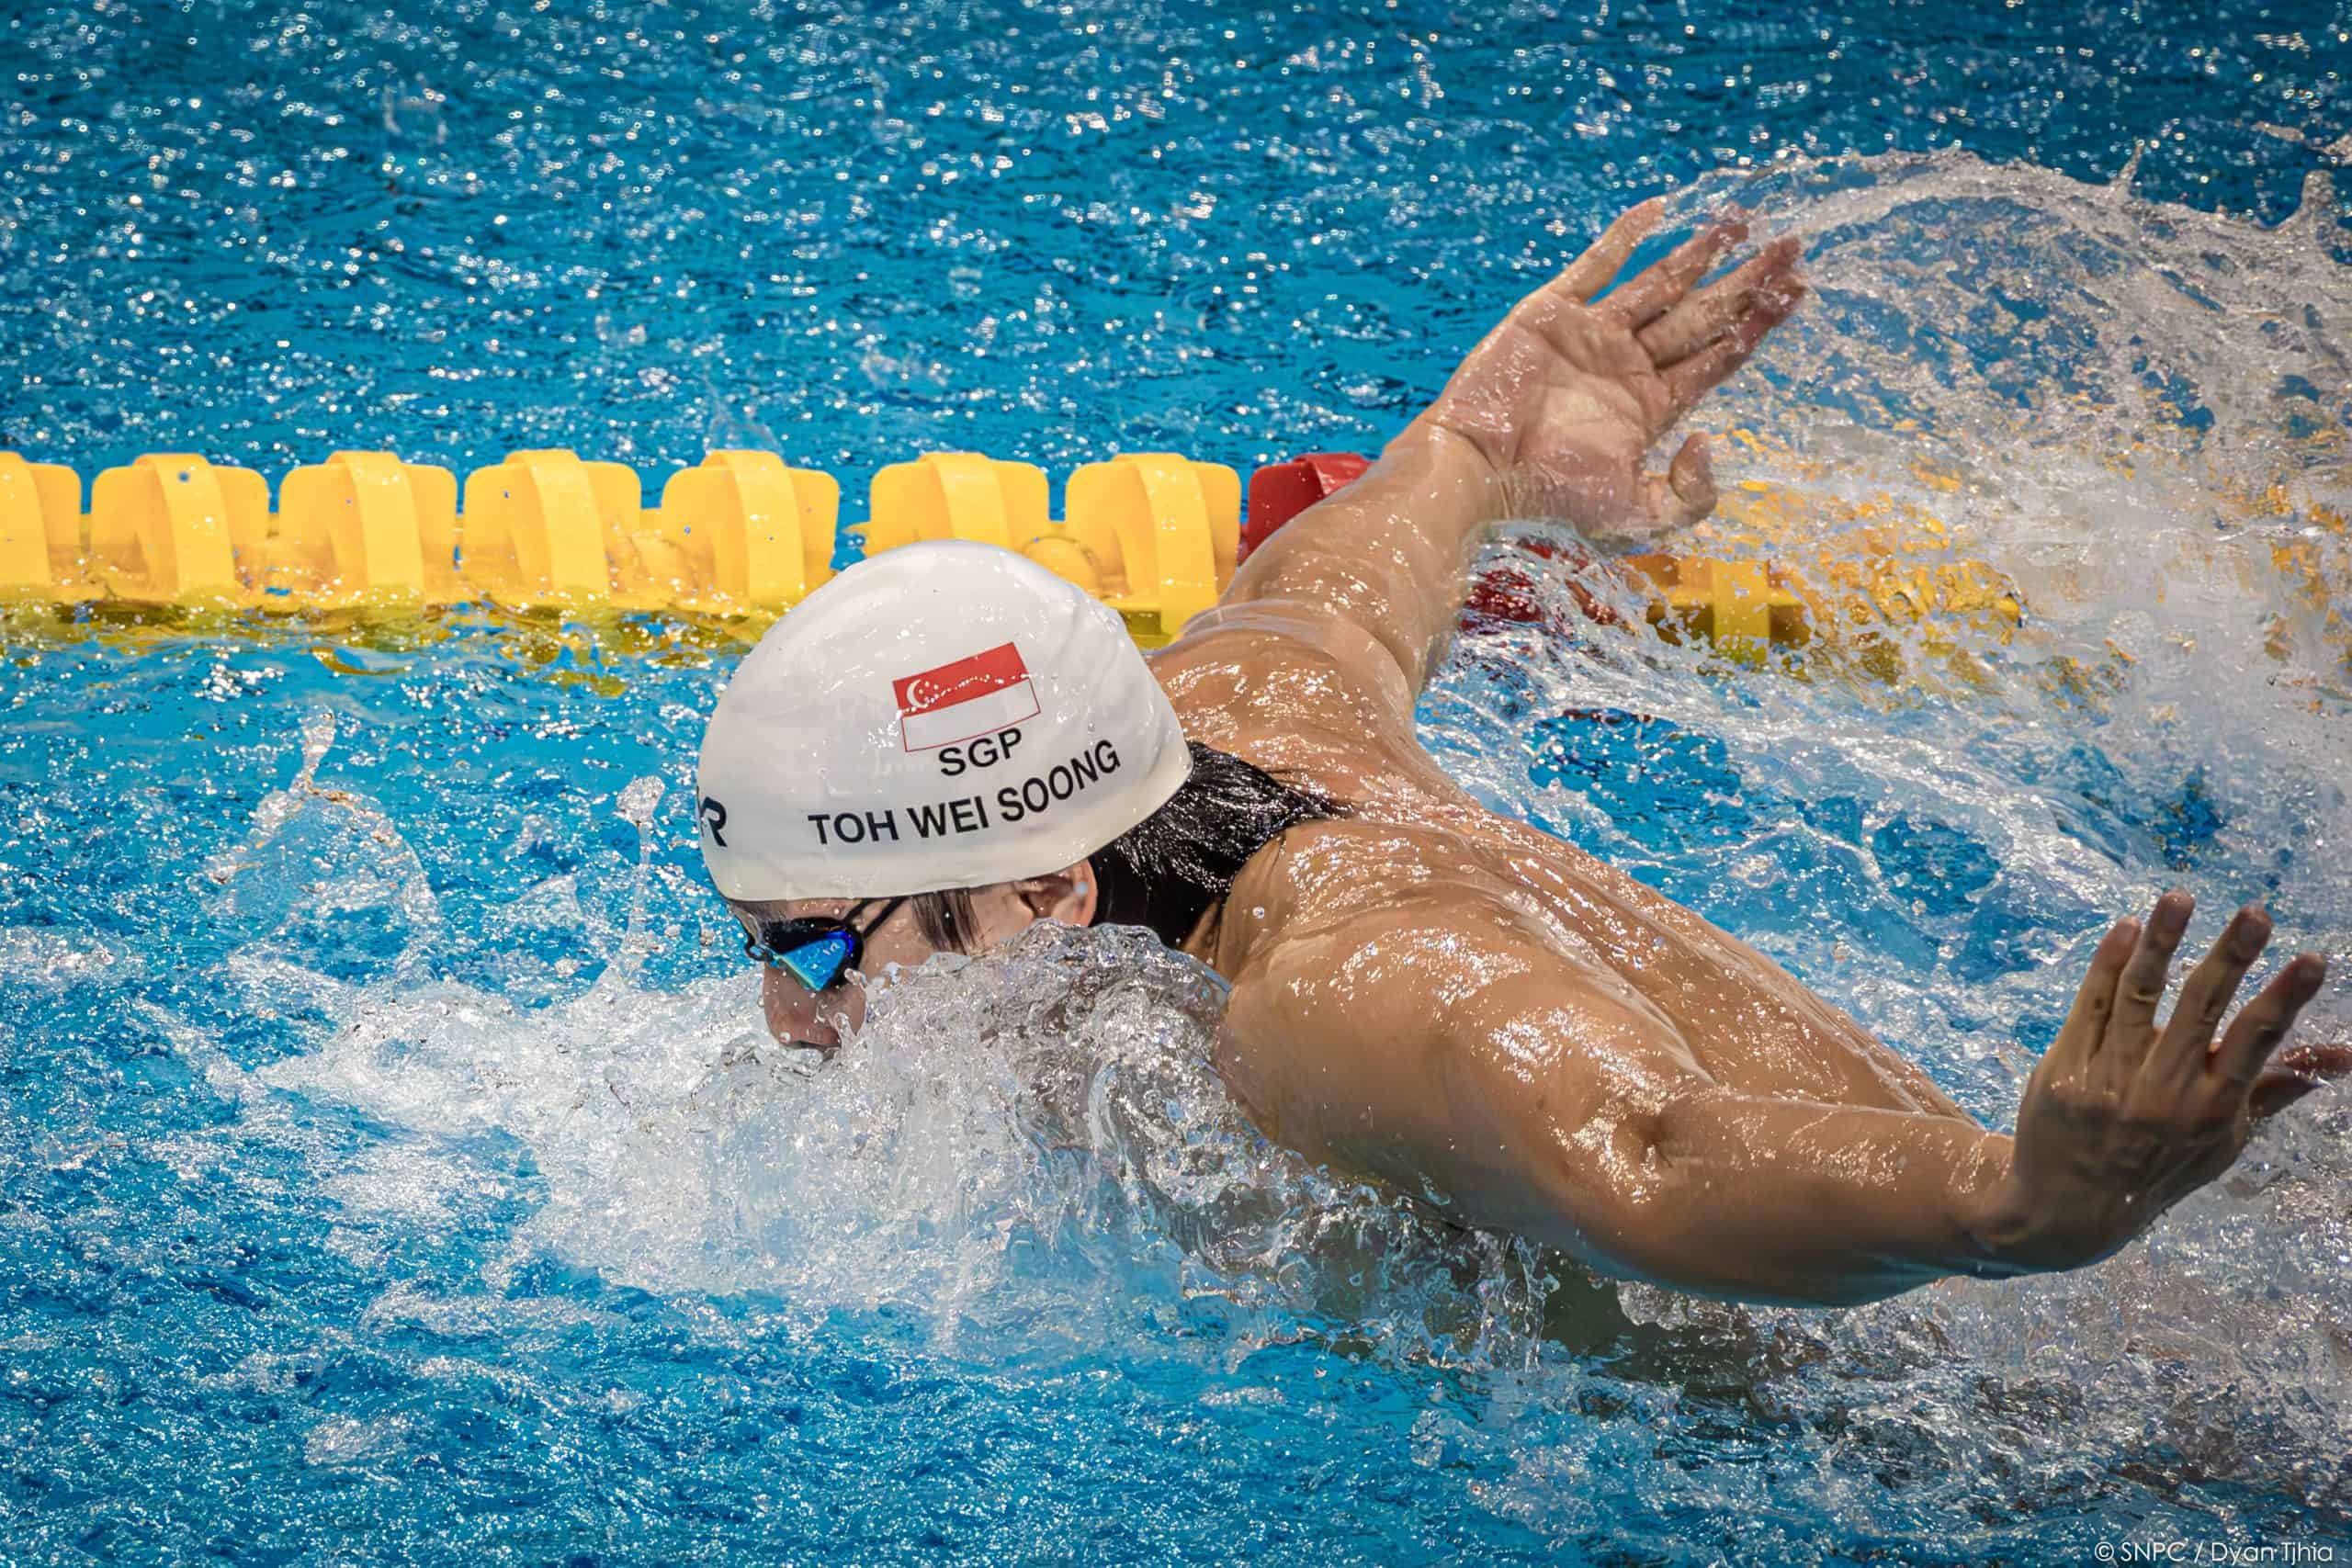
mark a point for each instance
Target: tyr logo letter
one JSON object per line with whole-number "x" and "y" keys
{"x": 714, "y": 818}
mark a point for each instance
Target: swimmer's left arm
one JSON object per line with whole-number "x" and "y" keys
{"x": 2127, "y": 1114}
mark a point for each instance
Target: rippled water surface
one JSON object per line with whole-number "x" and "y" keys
{"x": 389, "y": 1165}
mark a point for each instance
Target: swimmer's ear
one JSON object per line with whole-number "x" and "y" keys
{"x": 1069, "y": 894}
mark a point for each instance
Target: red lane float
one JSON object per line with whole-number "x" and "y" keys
{"x": 1280, "y": 491}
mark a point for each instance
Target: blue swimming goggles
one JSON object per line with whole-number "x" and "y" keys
{"x": 817, "y": 950}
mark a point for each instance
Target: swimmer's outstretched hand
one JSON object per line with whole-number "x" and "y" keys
{"x": 1567, "y": 396}
{"x": 2127, "y": 1115}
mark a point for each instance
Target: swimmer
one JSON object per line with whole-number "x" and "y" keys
{"x": 947, "y": 744}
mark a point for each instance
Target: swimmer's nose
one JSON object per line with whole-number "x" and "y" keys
{"x": 794, "y": 1016}
{"x": 797, "y": 1018}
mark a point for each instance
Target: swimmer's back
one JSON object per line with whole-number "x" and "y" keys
{"x": 1310, "y": 698}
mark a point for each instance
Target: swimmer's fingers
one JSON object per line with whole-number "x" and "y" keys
{"x": 2071, "y": 1054}
{"x": 2262, "y": 1023}
{"x": 1661, "y": 286}
{"x": 1685, "y": 493}
{"x": 2181, "y": 1057}
{"x": 1593, "y": 271}
{"x": 1688, "y": 380}
{"x": 2131, "y": 1027}
{"x": 1716, "y": 309}
{"x": 2294, "y": 1073}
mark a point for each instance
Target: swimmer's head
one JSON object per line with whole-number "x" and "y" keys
{"x": 943, "y": 718}
{"x": 945, "y": 714}
{"x": 811, "y": 1004}
{"x": 1166, "y": 874}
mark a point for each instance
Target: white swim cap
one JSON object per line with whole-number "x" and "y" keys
{"x": 943, "y": 715}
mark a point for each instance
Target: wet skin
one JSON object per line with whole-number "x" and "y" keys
{"x": 1490, "y": 1019}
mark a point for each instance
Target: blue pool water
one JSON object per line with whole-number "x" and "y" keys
{"x": 389, "y": 1170}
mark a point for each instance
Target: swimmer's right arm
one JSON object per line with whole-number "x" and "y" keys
{"x": 1490, "y": 1073}
{"x": 1551, "y": 415}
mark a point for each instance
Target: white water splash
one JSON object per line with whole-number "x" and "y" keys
{"x": 1033, "y": 1138}
{"x": 268, "y": 882}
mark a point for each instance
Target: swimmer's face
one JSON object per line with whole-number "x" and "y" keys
{"x": 815, "y": 1021}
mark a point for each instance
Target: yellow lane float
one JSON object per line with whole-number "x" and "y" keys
{"x": 740, "y": 538}
{"x": 545, "y": 529}
{"x": 1778, "y": 568}
{"x": 168, "y": 529}
{"x": 42, "y": 530}
{"x": 1867, "y": 578}
{"x": 741, "y": 533}
{"x": 1741, "y": 607}
{"x": 1151, "y": 534}
{"x": 743, "y": 536}
{"x": 364, "y": 529}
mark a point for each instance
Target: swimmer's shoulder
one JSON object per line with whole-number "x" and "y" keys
{"x": 1340, "y": 875}
{"x": 1291, "y": 651}
{"x": 1377, "y": 968}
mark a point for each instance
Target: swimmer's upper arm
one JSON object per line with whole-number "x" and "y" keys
{"x": 1389, "y": 553}
{"x": 1290, "y": 666}
{"x": 1447, "y": 1047}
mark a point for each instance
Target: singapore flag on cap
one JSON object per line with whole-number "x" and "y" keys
{"x": 964, "y": 700}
